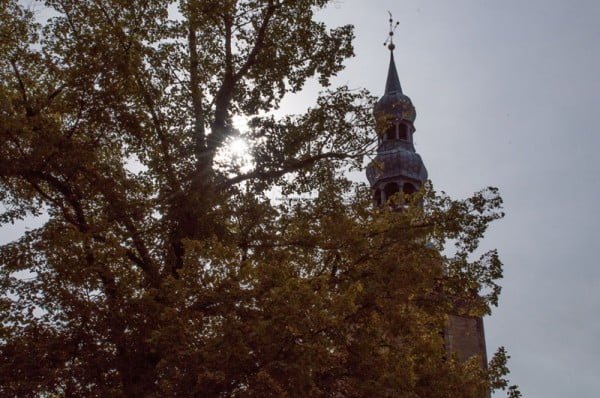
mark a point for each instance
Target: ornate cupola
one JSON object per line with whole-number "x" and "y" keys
{"x": 396, "y": 167}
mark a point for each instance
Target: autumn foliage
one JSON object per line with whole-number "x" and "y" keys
{"x": 163, "y": 271}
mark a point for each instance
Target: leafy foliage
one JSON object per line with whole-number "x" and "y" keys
{"x": 159, "y": 273}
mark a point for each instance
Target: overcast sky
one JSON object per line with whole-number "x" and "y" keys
{"x": 507, "y": 94}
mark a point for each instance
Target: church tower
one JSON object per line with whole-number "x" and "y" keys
{"x": 397, "y": 167}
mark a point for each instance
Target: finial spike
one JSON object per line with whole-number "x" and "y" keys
{"x": 392, "y": 84}
{"x": 389, "y": 42}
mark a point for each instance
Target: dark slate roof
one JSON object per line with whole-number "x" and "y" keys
{"x": 392, "y": 85}
{"x": 395, "y": 163}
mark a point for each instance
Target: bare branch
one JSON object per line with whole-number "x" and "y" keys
{"x": 29, "y": 110}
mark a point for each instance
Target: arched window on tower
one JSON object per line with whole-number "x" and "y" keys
{"x": 390, "y": 133}
{"x": 408, "y": 188}
{"x": 403, "y": 132}
{"x": 390, "y": 189}
{"x": 377, "y": 197}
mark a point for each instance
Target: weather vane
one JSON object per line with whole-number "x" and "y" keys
{"x": 389, "y": 42}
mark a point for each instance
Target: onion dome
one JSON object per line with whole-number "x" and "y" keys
{"x": 395, "y": 163}
{"x": 394, "y": 105}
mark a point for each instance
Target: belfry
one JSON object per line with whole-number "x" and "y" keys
{"x": 397, "y": 167}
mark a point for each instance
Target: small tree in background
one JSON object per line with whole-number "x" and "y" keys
{"x": 164, "y": 271}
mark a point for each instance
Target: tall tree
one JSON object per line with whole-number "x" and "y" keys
{"x": 164, "y": 270}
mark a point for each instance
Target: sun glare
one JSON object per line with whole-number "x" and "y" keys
{"x": 235, "y": 156}
{"x": 238, "y": 147}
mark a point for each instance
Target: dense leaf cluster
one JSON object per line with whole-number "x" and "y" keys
{"x": 160, "y": 272}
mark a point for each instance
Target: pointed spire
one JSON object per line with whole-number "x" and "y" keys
{"x": 392, "y": 84}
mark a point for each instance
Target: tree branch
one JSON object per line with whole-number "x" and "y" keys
{"x": 22, "y": 89}
{"x": 259, "y": 43}
{"x": 293, "y": 165}
{"x": 196, "y": 93}
{"x": 225, "y": 93}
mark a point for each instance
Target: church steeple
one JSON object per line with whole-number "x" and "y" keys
{"x": 397, "y": 167}
{"x": 392, "y": 84}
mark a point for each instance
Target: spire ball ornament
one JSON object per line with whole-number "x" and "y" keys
{"x": 389, "y": 42}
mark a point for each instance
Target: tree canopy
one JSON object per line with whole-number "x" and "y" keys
{"x": 163, "y": 271}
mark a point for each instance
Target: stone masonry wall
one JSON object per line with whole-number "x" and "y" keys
{"x": 465, "y": 336}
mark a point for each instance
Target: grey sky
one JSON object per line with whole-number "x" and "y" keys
{"x": 507, "y": 94}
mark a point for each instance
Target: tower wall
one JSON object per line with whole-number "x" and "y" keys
{"x": 465, "y": 336}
